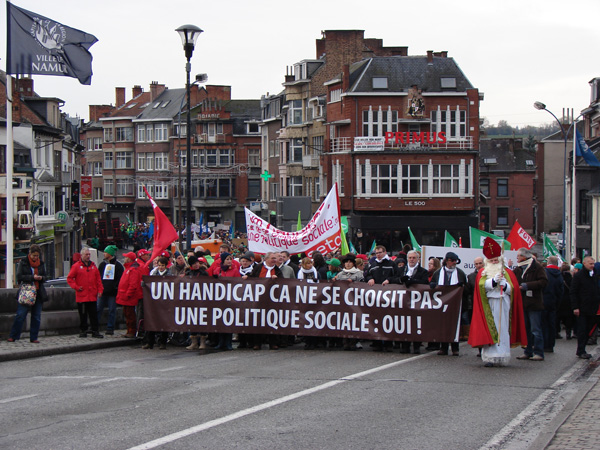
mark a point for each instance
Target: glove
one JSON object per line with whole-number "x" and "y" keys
{"x": 497, "y": 277}
{"x": 404, "y": 279}
{"x": 523, "y": 286}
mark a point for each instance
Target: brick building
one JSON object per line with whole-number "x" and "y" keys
{"x": 402, "y": 143}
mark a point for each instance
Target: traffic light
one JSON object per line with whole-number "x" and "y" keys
{"x": 75, "y": 195}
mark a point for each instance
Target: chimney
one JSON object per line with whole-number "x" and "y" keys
{"x": 25, "y": 86}
{"x": 346, "y": 77}
{"x": 120, "y": 94}
{"x": 430, "y": 57}
{"x": 444, "y": 54}
{"x": 98, "y": 111}
{"x": 136, "y": 90}
{"x": 155, "y": 90}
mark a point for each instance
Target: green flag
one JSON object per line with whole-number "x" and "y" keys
{"x": 299, "y": 227}
{"x": 449, "y": 241}
{"x": 477, "y": 237}
{"x": 372, "y": 247}
{"x": 550, "y": 249}
{"x": 413, "y": 241}
{"x": 343, "y": 230}
{"x": 352, "y": 248}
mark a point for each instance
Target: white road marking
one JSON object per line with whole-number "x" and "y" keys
{"x": 245, "y": 412}
{"x": 102, "y": 381}
{"x": 168, "y": 369}
{"x": 14, "y": 399}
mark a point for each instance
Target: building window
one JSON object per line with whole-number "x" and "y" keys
{"x": 484, "y": 186}
{"x": 273, "y": 191}
{"x": 94, "y": 144}
{"x": 384, "y": 179}
{"x": 502, "y": 187}
{"x": 294, "y": 186}
{"x": 180, "y": 130}
{"x": 295, "y": 112}
{"x": 225, "y": 157}
{"x": 124, "y": 134}
{"x": 161, "y": 161}
{"x": 108, "y": 161}
{"x": 453, "y": 122}
{"x": 149, "y": 133}
{"x": 195, "y": 157}
{"x": 415, "y": 179}
{"x": 47, "y": 208}
{"x": 97, "y": 194}
{"x": 96, "y": 169}
{"x": 295, "y": 151}
{"x": 254, "y": 157}
{"x": 124, "y": 160}
{"x": 380, "y": 82}
{"x": 141, "y": 162}
{"x": 378, "y": 122}
{"x": 317, "y": 144}
{"x": 446, "y": 179}
{"x": 502, "y": 216}
{"x": 335, "y": 95}
{"x": 141, "y": 133}
{"x": 584, "y": 208}
{"x": 161, "y": 133}
{"x": 125, "y": 187}
{"x": 211, "y": 157}
{"x": 254, "y": 189}
{"x": 108, "y": 135}
{"x": 109, "y": 188}
{"x": 253, "y": 128}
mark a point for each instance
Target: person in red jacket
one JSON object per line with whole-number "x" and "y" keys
{"x": 224, "y": 269}
{"x": 130, "y": 292}
{"x": 85, "y": 278}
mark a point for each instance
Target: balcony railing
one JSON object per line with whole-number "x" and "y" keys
{"x": 341, "y": 144}
{"x": 310, "y": 161}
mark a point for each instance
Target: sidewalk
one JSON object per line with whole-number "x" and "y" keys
{"x": 56, "y": 345}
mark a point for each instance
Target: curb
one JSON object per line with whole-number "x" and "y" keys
{"x": 59, "y": 350}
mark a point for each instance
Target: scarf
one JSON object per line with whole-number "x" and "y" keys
{"x": 311, "y": 275}
{"x": 527, "y": 263}
{"x": 269, "y": 269}
{"x": 410, "y": 270}
{"x": 35, "y": 267}
{"x": 353, "y": 270}
{"x": 453, "y": 277}
{"x": 379, "y": 260}
{"x": 245, "y": 271}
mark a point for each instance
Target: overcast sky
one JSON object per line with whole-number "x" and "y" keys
{"x": 515, "y": 52}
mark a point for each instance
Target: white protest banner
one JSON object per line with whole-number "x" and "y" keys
{"x": 466, "y": 255}
{"x": 322, "y": 233}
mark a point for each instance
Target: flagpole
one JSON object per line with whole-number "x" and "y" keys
{"x": 10, "y": 214}
{"x": 573, "y": 197}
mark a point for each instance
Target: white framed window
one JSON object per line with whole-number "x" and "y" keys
{"x": 295, "y": 112}
{"x": 47, "y": 208}
{"x": 377, "y": 122}
{"x": 97, "y": 194}
{"x": 254, "y": 157}
{"x": 453, "y": 122}
{"x": 294, "y": 186}
{"x": 446, "y": 179}
{"x": 161, "y": 132}
{"x": 124, "y": 160}
{"x": 295, "y": 150}
{"x": 108, "y": 135}
{"x": 195, "y": 157}
{"x": 273, "y": 191}
{"x": 318, "y": 143}
{"x": 252, "y": 128}
{"x": 335, "y": 95}
{"x": 124, "y": 134}
{"x": 108, "y": 161}
{"x": 124, "y": 187}
{"x": 161, "y": 161}
{"x": 180, "y": 129}
{"x": 149, "y": 133}
{"x": 109, "y": 187}
{"x": 141, "y": 133}
{"x": 96, "y": 169}
{"x": 161, "y": 190}
{"x": 141, "y": 161}
{"x": 225, "y": 158}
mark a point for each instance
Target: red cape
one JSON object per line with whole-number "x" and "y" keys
{"x": 480, "y": 334}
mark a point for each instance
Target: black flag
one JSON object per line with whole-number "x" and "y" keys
{"x": 42, "y": 46}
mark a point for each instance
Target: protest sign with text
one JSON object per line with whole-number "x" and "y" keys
{"x": 294, "y": 307}
{"x": 322, "y": 233}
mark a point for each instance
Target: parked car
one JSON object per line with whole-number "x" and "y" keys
{"x": 57, "y": 283}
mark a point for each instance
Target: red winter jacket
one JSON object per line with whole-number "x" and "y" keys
{"x": 130, "y": 287}
{"x": 86, "y": 281}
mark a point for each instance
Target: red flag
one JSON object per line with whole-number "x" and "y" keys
{"x": 164, "y": 231}
{"x": 518, "y": 238}
{"x": 460, "y": 242}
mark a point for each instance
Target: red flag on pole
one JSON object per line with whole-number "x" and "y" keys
{"x": 518, "y": 238}
{"x": 164, "y": 231}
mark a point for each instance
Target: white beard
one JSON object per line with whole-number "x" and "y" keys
{"x": 491, "y": 270}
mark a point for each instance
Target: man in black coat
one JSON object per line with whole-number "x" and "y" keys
{"x": 553, "y": 293}
{"x": 450, "y": 275}
{"x": 412, "y": 273}
{"x": 585, "y": 299}
{"x": 111, "y": 272}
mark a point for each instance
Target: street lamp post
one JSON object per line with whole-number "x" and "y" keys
{"x": 542, "y": 107}
{"x": 189, "y": 34}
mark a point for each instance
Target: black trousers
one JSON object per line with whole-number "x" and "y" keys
{"x": 87, "y": 310}
{"x": 585, "y": 324}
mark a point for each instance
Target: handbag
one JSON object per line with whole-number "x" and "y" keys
{"x": 27, "y": 294}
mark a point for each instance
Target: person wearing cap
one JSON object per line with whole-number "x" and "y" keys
{"x": 450, "y": 275}
{"x": 85, "y": 279}
{"x": 334, "y": 268}
{"x": 246, "y": 263}
{"x": 410, "y": 275}
{"x": 497, "y": 323}
{"x": 111, "y": 271}
{"x": 179, "y": 266}
{"x": 532, "y": 280}
{"x": 130, "y": 292}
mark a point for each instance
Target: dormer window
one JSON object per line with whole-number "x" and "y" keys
{"x": 448, "y": 82}
{"x": 490, "y": 161}
{"x": 380, "y": 83}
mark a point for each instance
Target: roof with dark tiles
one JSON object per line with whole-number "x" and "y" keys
{"x": 508, "y": 153}
{"x": 404, "y": 72}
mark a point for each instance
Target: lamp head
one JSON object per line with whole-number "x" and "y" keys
{"x": 189, "y": 34}
{"x": 539, "y": 105}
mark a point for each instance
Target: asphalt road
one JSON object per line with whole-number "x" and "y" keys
{"x": 287, "y": 399}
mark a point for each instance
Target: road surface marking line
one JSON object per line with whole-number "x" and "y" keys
{"x": 105, "y": 380}
{"x": 14, "y": 399}
{"x": 168, "y": 369}
{"x": 245, "y": 412}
